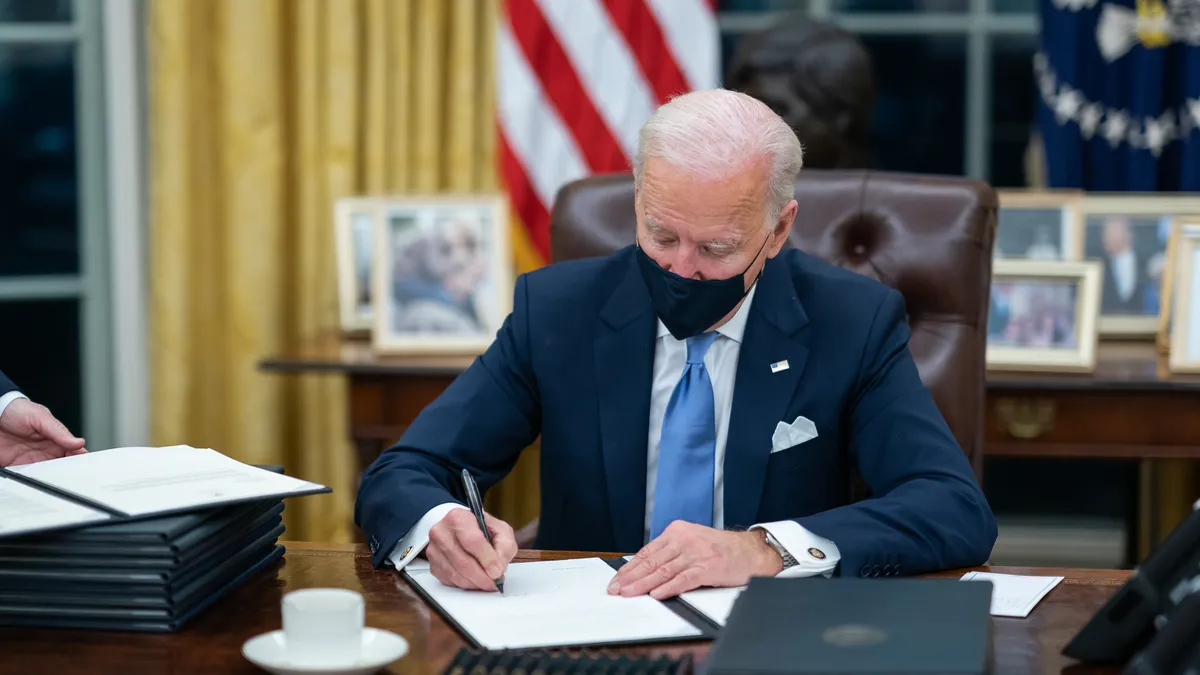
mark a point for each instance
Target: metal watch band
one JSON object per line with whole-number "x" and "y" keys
{"x": 788, "y": 559}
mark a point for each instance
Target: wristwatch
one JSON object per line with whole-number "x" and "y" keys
{"x": 788, "y": 559}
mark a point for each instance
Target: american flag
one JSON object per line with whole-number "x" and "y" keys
{"x": 576, "y": 80}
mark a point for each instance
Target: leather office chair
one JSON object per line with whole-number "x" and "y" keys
{"x": 929, "y": 237}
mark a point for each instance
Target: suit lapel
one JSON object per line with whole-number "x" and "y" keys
{"x": 624, "y": 370}
{"x": 760, "y": 396}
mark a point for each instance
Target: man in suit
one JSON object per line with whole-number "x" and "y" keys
{"x": 28, "y": 432}
{"x": 1123, "y": 289}
{"x": 701, "y": 397}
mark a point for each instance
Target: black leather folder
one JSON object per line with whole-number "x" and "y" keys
{"x": 824, "y": 626}
{"x": 139, "y": 621}
{"x": 143, "y": 581}
{"x": 178, "y": 539}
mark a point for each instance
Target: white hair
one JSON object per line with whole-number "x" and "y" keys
{"x": 712, "y": 134}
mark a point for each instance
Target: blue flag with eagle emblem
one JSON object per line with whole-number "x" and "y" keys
{"x": 1119, "y": 104}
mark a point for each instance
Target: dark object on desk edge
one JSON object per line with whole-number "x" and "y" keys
{"x": 1127, "y": 621}
{"x": 856, "y": 626}
{"x": 560, "y": 662}
{"x": 1176, "y": 648}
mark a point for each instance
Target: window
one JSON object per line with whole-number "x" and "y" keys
{"x": 53, "y": 287}
{"x": 954, "y": 82}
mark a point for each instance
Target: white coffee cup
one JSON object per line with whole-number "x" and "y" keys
{"x": 323, "y": 626}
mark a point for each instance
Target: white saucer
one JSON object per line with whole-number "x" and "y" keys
{"x": 379, "y": 648}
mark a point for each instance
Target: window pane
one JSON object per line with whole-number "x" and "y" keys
{"x": 1015, "y": 6}
{"x": 920, "y": 105}
{"x": 39, "y": 11}
{"x": 866, "y": 6}
{"x": 1013, "y": 94}
{"x": 760, "y": 5}
{"x": 39, "y": 228}
{"x": 39, "y": 350}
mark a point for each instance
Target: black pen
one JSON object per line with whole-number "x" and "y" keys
{"x": 477, "y": 508}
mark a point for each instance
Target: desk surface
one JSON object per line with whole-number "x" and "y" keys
{"x": 213, "y": 642}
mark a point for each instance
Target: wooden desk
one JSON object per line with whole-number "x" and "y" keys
{"x": 212, "y": 643}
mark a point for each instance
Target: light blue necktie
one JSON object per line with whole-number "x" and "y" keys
{"x": 683, "y": 489}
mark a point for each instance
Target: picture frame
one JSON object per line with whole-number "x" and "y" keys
{"x": 443, "y": 277}
{"x": 354, "y": 220}
{"x": 1039, "y": 225}
{"x": 1167, "y": 288}
{"x": 1044, "y": 315}
{"x": 1128, "y": 232}
{"x": 1184, "y": 350}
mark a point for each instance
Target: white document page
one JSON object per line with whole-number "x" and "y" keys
{"x": 557, "y": 603}
{"x": 1014, "y": 595}
{"x": 143, "y": 481}
{"x": 26, "y": 509}
{"x": 713, "y": 603}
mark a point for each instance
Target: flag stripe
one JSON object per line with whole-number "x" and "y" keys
{"x": 605, "y": 66}
{"x": 538, "y": 138}
{"x": 645, "y": 38}
{"x": 690, "y": 29}
{"x": 562, "y": 86}
{"x": 525, "y": 202}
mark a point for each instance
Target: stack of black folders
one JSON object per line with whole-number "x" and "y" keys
{"x": 145, "y": 552}
{"x": 561, "y": 662}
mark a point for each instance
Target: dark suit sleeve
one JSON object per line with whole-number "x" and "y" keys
{"x": 481, "y": 422}
{"x": 6, "y": 385}
{"x": 928, "y": 512}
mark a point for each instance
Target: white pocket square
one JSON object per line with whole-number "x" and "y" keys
{"x": 791, "y": 435}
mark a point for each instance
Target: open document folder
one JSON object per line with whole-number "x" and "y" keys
{"x": 557, "y": 603}
{"x": 127, "y": 483}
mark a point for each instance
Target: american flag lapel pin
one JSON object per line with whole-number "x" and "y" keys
{"x": 779, "y": 366}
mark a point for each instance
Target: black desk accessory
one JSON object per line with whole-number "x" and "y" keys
{"x": 1175, "y": 650}
{"x": 818, "y": 626}
{"x": 1128, "y": 620}
{"x": 560, "y": 662}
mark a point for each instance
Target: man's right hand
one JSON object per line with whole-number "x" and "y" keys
{"x": 459, "y": 555}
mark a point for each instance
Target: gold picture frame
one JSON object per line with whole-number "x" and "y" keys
{"x": 1062, "y": 242}
{"x": 443, "y": 277}
{"x": 354, "y": 222}
{"x": 1024, "y": 324}
{"x": 1184, "y": 348}
{"x": 1131, "y": 309}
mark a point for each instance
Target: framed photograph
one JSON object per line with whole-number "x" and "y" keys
{"x": 1167, "y": 287}
{"x": 1043, "y": 315}
{"x": 354, "y": 239}
{"x": 443, "y": 279}
{"x": 1185, "y": 306}
{"x": 1039, "y": 225}
{"x": 1129, "y": 233}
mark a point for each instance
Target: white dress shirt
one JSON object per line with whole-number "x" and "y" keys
{"x": 670, "y": 356}
{"x": 8, "y": 398}
{"x": 1124, "y": 268}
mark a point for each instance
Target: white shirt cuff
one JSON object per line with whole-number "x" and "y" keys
{"x": 9, "y": 398}
{"x": 418, "y": 537}
{"x": 814, "y": 555}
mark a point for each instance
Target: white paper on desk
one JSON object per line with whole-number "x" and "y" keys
{"x": 556, "y": 603}
{"x": 25, "y": 509}
{"x": 713, "y": 603}
{"x": 142, "y": 481}
{"x": 1012, "y": 594}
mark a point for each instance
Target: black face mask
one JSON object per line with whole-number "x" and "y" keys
{"x": 688, "y": 307}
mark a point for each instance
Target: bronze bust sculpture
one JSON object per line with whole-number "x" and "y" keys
{"x": 819, "y": 78}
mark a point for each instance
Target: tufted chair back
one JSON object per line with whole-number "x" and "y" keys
{"x": 929, "y": 237}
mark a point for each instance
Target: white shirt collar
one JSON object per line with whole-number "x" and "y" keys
{"x": 734, "y": 328}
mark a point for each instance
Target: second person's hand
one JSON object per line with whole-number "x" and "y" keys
{"x": 460, "y": 556}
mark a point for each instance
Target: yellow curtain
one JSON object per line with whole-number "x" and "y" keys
{"x": 263, "y": 112}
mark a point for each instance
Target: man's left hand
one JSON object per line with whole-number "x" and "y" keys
{"x": 688, "y": 556}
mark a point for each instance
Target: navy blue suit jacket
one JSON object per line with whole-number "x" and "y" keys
{"x": 573, "y": 362}
{"x": 6, "y": 385}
